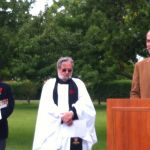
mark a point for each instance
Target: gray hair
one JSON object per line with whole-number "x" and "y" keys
{"x": 64, "y": 59}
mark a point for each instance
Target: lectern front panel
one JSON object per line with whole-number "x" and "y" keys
{"x": 128, "y": 124}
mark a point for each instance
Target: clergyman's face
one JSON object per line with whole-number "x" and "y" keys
{"x": 65, "y": 71}
{"x": 148, "y": 42}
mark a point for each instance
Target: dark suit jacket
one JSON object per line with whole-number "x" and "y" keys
{"x": 5, "y": 95}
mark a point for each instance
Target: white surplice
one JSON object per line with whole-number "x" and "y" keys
{"x": 50, "y": 133}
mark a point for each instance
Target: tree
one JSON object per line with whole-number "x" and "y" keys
{"x": 102, "y": 36}
{"x": 12, "y": 15}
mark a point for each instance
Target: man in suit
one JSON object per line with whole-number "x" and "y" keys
{"x": 6, "y": 108}
{"x": 141, "y": 77}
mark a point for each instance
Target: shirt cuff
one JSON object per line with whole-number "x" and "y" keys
{"x": 0, "y": 115}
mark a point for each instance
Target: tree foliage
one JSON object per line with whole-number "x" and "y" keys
{"x": 13, "y": 14}
{"x": 103, "y": 37}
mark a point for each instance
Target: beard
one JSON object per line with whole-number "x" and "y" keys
{"x": 63, "y": 77}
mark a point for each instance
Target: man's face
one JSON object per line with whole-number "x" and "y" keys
{"x": 148, "y": 42}
{"x": 65, "y": 71}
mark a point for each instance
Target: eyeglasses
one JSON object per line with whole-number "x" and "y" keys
{"x": 65, "y": 70}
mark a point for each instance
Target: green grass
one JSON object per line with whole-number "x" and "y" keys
{"x": 100, "y": 127}
{"x": 22, "y": 125}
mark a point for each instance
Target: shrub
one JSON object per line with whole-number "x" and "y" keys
{"x": 113, "y": 89}
{"x": 25, "y": 90}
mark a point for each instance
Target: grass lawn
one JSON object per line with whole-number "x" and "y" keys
{"x": 22, "y": 125}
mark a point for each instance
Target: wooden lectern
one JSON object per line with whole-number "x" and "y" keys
{"x": 128, "y": 124}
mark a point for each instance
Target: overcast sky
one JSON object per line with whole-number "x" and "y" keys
{"x": 39, "y": 5}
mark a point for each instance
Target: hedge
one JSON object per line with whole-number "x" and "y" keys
{"x": 26, "y": 90}
{"x": 113, "y": 89}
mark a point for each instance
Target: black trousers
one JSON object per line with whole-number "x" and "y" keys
{"x": 2, "y": 144}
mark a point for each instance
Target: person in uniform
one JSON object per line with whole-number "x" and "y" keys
{"x": 6, "y": 109}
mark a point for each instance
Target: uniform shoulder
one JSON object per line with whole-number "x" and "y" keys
{"x": 3, "y": 84}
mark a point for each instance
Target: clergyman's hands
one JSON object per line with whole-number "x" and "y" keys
{"x": 67, "y": 118}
